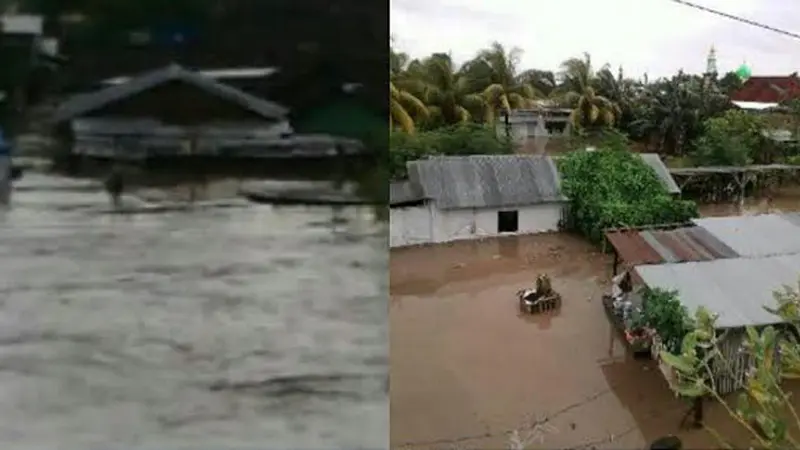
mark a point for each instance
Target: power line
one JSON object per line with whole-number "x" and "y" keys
{"x": 738, "y": 19}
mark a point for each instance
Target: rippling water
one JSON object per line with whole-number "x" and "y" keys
{"x": 228, "y": 328}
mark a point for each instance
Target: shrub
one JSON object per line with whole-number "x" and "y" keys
{"x": 611, "y": 188}
{"x": 734, "y": 139}
{"x": 664, "y": 313}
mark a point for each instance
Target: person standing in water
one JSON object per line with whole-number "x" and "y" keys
{"x": 115, "y": 186}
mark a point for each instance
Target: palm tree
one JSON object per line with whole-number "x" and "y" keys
{"x": 625, "y": 93}
{"x": 673, "y": 111}
{"x": 494, "y": 72}
{"x": 542, "y": 81}
{"x": 447, "y": 93}
{"x": 578, "y": 91}
{"x": 403, "y": 107}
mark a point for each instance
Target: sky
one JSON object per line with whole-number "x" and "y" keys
{"x": 657, "y": 37}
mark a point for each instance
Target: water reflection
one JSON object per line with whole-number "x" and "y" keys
{"x": 784, "y": 200}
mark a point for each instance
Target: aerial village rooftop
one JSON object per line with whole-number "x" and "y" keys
{"x": 469, "y": 368}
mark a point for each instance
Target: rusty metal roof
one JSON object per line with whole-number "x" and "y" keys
{"x": 674, "y": 245}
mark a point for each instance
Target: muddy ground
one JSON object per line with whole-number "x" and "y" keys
{"x": 466, "y": 370}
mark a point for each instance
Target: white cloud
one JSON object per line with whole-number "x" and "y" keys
{"x": 654, "y": 36}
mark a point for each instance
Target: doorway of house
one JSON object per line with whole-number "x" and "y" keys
{"x": 507, "y": 221}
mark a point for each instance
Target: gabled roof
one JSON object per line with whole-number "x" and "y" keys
{"x": 83, "y": 103}
{"x": 404, "y": 192}
{"x": 487, "y": 181}
{"x": 763, "y": 89}
{"x": 657, "y": 164}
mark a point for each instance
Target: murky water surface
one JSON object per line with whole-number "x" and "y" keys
{"x": 468, "y": 370}
{"x": 236, "y": 328}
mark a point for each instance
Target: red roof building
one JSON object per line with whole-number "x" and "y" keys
{"x": 768, "y": 89}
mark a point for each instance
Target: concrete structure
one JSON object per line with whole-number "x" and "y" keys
{"x": 464, "y": 197}
{"x": 532, "y": 129}
{"x": 177, "y": 112}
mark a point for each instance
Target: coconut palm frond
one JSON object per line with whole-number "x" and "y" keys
{"x": 400, "y": 117}
{"x": 463, "y": 114}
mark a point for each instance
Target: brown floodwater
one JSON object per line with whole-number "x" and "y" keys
{"x": 787, "y": 199}
{"x": 467, "y": 370}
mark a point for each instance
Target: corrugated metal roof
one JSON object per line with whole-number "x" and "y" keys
{"x": 737, "y": 289}
{"x": 655, "y": 162}
{"x": 755, "y": 236}
{"x": 401, "y": 192}
{"x": 83, "y": 103}
{"x": 487, "y": 181}
{"x": 632, "y": 248}
{"x": 637, "y": 247}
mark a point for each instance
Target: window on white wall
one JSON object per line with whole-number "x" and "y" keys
{"x": 507, "y": 221}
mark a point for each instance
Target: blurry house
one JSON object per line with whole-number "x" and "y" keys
{"x": 531, "y": 130}
{"x": 172, "y": 112}
{"x": 766, "y": 96}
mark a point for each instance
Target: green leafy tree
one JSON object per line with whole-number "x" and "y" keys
{"x": 612, "y": 187}
{"x": 734, "y": 139}
{"x": 730, "y": 83}
{"x": 664, "y": 313}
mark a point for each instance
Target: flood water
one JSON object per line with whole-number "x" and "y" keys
{"x": 468, "y": 371}
{"x": 232, "y": 328}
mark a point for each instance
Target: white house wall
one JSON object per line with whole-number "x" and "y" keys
{"x": 427, "y": 224}
{"x": 410, "y": 225}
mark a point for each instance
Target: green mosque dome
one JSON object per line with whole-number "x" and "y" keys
{"x": 743, "y": 72}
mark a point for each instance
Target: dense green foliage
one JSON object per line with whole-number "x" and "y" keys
{"x": 669, "y": 116}
{"x": 663, "y": 312}
{"x": 732, "y": 139}
{"x": 611, "y": 188}
{"x": 454, "y": 140}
